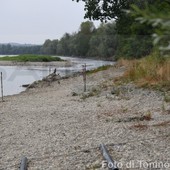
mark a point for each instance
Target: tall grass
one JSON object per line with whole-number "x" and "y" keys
{"x": 152, "y": 70}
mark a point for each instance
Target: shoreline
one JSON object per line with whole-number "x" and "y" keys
{"x": 42, "y": 64}
{"x": 61, "y": 119}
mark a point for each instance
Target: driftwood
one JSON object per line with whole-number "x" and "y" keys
{"x": 46, "y": 80}
{"x": 25, "y": 85}
{"x": 23, "y": 165}
{"x": 52, "y": 77}
{"x": 108, "y": 158}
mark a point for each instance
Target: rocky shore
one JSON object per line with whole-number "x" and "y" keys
{"x": 57, "y": 126}
{"x": 42, "y": 64}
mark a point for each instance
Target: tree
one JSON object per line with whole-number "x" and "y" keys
{"x": 50, "y": 47}
{"x": 87, "y": 27}
{"x": 104, "y": 42}
{"x": 131, "y": 33}
{"x": 109, "y": 9}
{"x": 9, "y": 49}
{"x": 63, "y": 45}
{"x": 160, "y": 20}
{"x": 83, "y": 38}
{"x": 103, "y": 9}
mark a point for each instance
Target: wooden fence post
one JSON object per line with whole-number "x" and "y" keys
{"x": 84, "y": 76}
{"x": 2, "y": 95}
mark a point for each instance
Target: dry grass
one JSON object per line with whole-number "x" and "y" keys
{"x": 108, "y": 114}
{"x": 147, "y": 116}
{"x": 149, "y": 71}
{"x": 126, "y": 63}
{"x": 139, "y": 127}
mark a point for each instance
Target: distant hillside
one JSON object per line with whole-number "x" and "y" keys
{"x": 18, "y": 44}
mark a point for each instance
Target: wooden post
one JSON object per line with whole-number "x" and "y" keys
{"x": 84, "y": 76}
{"x": 2, "y": 95}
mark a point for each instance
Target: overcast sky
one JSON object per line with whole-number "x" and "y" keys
{"x": 34, "y": 21}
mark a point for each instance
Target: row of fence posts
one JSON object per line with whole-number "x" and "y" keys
{"x": 2, "y": 92}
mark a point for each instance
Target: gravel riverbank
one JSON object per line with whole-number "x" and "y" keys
{"x": 59, "y": 127}
{"x": 42, "y": 64}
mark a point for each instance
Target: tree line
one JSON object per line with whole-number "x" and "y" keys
{"x": 88, "y": 41}
{"x": 8, "y": 49}
{"x": 133, "y": 27}
{"x": 104, "y": 42}
{"x": 138, "y": 27}
{"x": 140, "y": 24}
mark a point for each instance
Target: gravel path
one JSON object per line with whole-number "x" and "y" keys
{"x": 58, "y": 127}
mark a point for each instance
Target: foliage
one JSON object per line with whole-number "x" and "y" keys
{"x": 83, "y": 37}
{"x": 30, "y": 58}
{"x": 108, "y": 9}
{"x": 101, "y": 68}
{"x": 103, "y": 43}
{"x": 49, "y": 47}
{"x": 8, "y": 49}
{"x": 159, "y": 19}
{"x": 134, "y": 39}
{"x": 130, "y": 35}
{"x": 86, "y": 42}
{"x": 89, "y": 41}
{"x": 134, "y": 46}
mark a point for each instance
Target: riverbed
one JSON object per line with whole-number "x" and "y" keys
{"x": 55, "y": 129}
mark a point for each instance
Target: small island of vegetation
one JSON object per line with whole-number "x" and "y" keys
{"x": 31, "y": 58}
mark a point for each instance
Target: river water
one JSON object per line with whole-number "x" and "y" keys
{"x": 15, "y": 76}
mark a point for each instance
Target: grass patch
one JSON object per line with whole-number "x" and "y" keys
{"x": 30, "y": 58}
{"x": 93, "y": 92}
{"x": 151, "y": 71}
{"x": 101, "y": 68}
{"x": 147, "y": 116}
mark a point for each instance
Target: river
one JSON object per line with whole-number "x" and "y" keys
{"x": 15, "y": 76}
